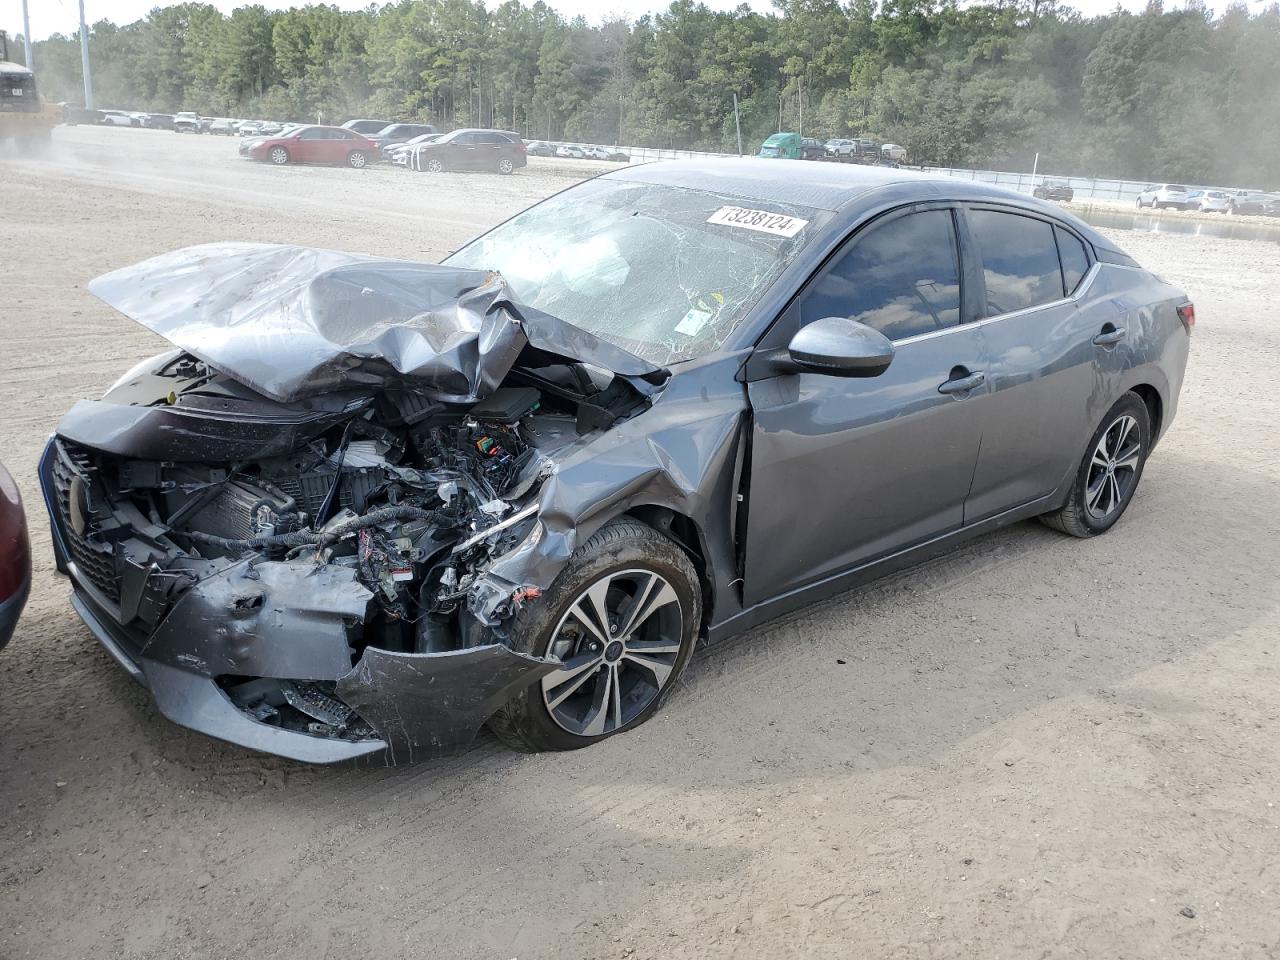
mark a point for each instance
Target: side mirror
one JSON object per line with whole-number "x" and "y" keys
{"x": 837, "y": 347}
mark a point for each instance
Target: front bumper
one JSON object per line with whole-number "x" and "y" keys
{"x": 293, "y": 622}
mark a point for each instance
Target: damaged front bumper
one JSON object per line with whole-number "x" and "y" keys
{"x": 236, "y": 642}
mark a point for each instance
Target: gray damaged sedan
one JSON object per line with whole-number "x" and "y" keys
{"x": 368, "y": 505}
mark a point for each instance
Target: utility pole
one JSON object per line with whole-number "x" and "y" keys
{"x": 84, "y": 60}
{"x": 800, "y": 100}
{"x": 737, "y": 122}
{"x": 26, "y": 38}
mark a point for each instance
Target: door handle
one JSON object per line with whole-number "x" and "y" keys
{"x": 963, "y": 384}
{"x": 1109, "y": 337}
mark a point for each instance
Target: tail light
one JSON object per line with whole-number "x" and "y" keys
{"x": 521, "y": 145}
{"x": 1187, "y": 314}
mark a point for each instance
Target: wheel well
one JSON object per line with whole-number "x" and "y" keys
{"x": 1155, "y": 410}
{"x": 688, "y": 535}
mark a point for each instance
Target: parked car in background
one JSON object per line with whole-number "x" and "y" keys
{"x": 781, "y": 146}
{"x": 72, "y": 116}
{"x": 400, "y": 133}
{"x": 617, "y": 155}
{"x": 471, "y": 149}
{"x": 1247, "y": 202}
{"x": 892, "y": 153}
{"x": 905, "y": 364}
{"x": 367, "y": 127}
{"x": 1053, "y": 190}
{"x": 1164, "y": 195}
{"x": 159, "y": 121}
{"x": 223, "y": 127}
{"x": 811, "y": 149}
{"x": 312, "y": 144}
{"x": 398, "y": 153}
{"x": 15, "y": 556}
{"x": 186, "y": 123}
{"x": 840, "y": 147}
{"x": 119, "y": 118}
{"x": 1271, "y": 205}
{"x": 539, "y": 148}
{"x": 1209, "y": 201}
{"x": 570, "y": 151}
{"x": 250, "y": 128}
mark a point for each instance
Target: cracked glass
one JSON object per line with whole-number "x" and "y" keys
{"x": 640, "y": 266}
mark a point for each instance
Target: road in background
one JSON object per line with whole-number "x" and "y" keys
{"x": 1033, "y": 747}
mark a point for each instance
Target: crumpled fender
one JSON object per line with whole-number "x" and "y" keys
{"x": 680, "y": 454}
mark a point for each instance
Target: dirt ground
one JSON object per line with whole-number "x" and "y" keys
{"x": 1034, "y": 747}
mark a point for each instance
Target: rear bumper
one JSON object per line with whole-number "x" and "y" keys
{"x": 295, "y": 623}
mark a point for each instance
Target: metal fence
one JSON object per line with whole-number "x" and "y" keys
{"x": 1085, "y": 188}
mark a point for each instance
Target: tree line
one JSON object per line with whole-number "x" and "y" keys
{"x": 1166, "y": 95}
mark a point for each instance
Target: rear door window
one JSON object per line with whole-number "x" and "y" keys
{"x": 901, "y": 278}
{"x": 1075, "y": 259}
{"x": 1019, "y": 261}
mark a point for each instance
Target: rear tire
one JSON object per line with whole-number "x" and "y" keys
{"x": 357, "y": 159}
{"x": 1109, "y": 473}
{"x": 641, "y": 661}
{"x": 506, "y": 166}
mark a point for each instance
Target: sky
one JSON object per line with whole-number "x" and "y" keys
{"x": 62, "y": 16}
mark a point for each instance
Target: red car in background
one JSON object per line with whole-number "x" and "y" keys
{"x": 312, "y": 144}
{"x": 15, "y": 556}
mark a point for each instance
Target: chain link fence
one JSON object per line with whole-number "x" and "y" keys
{"x": 1085, "y": 188}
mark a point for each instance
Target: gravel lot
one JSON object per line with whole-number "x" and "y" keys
{"x": 1034, "y": 747}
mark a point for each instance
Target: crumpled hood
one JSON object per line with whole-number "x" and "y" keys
{"x": 293, "y": 322}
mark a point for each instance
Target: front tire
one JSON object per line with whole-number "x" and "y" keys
{"x": 623, "y": 617}
{"x": 434, "y": 165}
{"x": 1109, "y": 473}
{"x": 279, "y": 156}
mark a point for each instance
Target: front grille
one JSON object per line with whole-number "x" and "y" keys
{"x": 94, "y": 560}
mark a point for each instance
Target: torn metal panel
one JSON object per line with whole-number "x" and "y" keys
{"x": 293, "y": 620}
{"x": 294, "y": 322}
{"x": 429, "y": 704}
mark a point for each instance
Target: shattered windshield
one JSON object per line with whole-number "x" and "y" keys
{"x": 664, "y": 272}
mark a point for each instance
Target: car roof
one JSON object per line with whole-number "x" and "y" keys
{"x": 832, "y": 186}
{"x": 827, "y": 186}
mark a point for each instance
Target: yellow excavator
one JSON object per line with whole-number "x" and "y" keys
{"x": 24, "y": 118}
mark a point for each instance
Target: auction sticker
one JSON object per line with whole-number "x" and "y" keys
{"x": 778, "y": 224}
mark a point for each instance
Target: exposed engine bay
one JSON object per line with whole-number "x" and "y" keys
{"x": 312, "y": 522}
{"x": 413, "y": 497}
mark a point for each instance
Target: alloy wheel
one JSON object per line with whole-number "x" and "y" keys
{"x": 279, "y": 155}
{"x": 505, "y": 165}
{"x": 1113, "y": 469}
{"x": 435, "y": 166}
{"x": 618, "y": 644}
{"x": 357, "y": 159}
